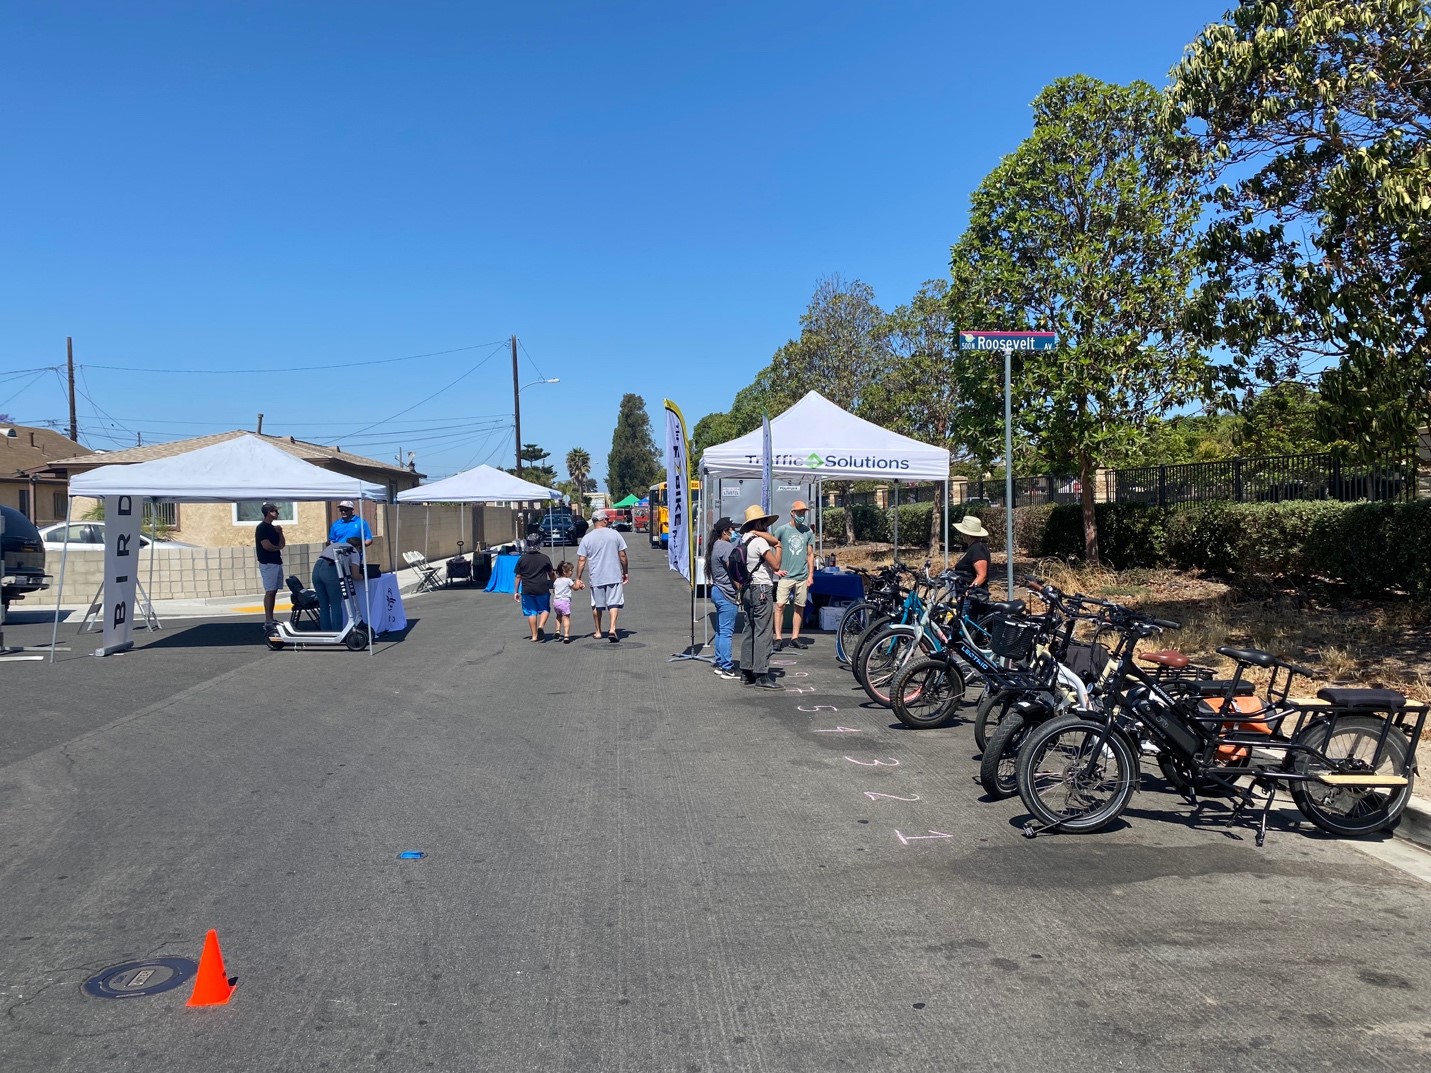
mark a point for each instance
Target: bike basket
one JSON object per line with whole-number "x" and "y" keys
{"x": 1012, "y": 638}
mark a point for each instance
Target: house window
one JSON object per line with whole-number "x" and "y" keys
{"x": 61, "y": 507}
{"x": 25, "y": 503}
{"x": 166, "y": 514}
{"x": 250, "y": 512}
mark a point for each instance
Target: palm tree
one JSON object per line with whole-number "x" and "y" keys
{"x": 578, "y": 465}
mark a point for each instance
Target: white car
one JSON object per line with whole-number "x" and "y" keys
{"x": 89, "y": 536}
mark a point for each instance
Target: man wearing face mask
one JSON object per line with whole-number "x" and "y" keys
{"x": 797, "y": 566}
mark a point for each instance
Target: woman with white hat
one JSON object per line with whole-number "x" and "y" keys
{"x": 974, "y": 563}
{"x": 762, "y": 559}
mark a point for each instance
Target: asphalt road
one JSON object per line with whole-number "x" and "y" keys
{"x": 632, "y": 865}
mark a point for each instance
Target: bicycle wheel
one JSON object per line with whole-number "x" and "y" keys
{"x": 884, "y": 655}
{"x": 927, "y": 693}
{"x": 1349, "y": 743}
{"x": 992, "y": 710}
{"x": 999, "y": 766}
{"x": 875, "y": 624}
{"x": 852, "y": 623}
{"x": 1076, "y": 773}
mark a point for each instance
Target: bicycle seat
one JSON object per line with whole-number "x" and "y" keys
{"x": 1008, "y": 607}
{"x": 1362, "y": 698}
{"x": 1166, "y": 658}
{"x": 1254, "y": 656}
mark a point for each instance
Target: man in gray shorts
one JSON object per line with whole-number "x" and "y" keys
{"x": 268, "y": 541}
{"x": 603, "y": 549}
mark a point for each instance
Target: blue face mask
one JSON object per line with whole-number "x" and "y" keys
{"x": 800, "y": 515}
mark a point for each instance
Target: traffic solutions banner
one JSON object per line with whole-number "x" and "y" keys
{"x": 122, "y": 519}
{"x": 678, "y": 493}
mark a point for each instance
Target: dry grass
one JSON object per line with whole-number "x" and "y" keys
{"x": 1357, "y": 643}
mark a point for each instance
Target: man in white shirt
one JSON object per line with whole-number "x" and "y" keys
{"x": 603, "y": 549}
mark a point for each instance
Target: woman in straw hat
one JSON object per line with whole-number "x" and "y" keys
{"x": 974, "y": 563}
{"x": 762, "y": 559}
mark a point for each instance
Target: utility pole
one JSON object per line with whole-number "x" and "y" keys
{"x": 517, "y": 406}
{"x": 70, "y": 359}
{"x": 259, "y": 430}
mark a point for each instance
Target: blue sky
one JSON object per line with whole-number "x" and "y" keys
{"x": 249, "y": 200}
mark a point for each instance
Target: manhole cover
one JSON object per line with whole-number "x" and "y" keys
{"x": 136, "y": 978}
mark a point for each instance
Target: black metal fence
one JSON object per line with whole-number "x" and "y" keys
{"x": 1238, "y": 480}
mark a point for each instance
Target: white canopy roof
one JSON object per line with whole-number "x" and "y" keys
{"x": 483, "y": 484}
{"x": 245, "y": 467}
{"x": 817, "y": 440}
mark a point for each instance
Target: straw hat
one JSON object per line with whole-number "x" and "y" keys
{"x": 756, "y": 518}
{"x": 971, "y": 526}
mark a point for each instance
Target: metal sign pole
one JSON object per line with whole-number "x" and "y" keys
{"x": 1009, "y": 466}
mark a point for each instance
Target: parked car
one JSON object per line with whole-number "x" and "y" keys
{"x": 24, "y": 555}
{"x": 89, "y": 536}
{"x": 556, "y": 530}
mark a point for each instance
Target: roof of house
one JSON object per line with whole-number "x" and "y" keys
{"x": 317, "y": 453}
{"x": 32, "y": 448}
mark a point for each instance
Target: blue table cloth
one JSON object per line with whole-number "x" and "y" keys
{"x": 829, "y": 585}
{"x": 504, "y": 574}
{"x": 837, "y": 585}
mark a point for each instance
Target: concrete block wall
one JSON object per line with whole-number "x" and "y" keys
{"x": 180, "y": 574}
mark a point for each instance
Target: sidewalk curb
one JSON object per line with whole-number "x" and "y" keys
{"x": 1415, "y": 825}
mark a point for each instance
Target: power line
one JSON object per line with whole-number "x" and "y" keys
{"x": 247, "y": 370}
{"x": 429, "y": 398}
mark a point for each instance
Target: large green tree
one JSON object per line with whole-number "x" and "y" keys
{"x": 914, "y": 392}
{"x": 1086, "y": 230}
{"x": 632, "y": 464}
{"x": 1318, "y": 111}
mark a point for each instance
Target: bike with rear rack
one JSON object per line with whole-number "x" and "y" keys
{"x": 1346, "y": 757}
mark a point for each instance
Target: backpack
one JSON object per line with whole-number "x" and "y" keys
{"x": 736, "y": 567}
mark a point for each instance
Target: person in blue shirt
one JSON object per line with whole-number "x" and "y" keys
{"x": 349, "y": 526}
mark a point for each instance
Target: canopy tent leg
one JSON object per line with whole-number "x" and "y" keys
{"x": 896, "y": 522}
{"x": 946, "y": 523}
{"x": 64, "y": 559}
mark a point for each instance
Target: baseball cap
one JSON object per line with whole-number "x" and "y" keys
{"x": 799, "y": 504}
{"x": 270, "y": 508}
{"x": 346, "y": 503}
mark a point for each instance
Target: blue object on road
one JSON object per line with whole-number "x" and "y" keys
{"x": 504, "y": 574}
{"x": 411, "y": 855}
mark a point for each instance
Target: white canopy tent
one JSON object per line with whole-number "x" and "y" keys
{"x": 481, "y": 484}
{"x": 244, "y": 468}
{"x": 817, "y": 440}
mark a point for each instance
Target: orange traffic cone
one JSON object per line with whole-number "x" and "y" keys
{"x": 211, "y": 982}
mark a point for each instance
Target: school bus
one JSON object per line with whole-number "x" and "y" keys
{"x": 658, "y": 518}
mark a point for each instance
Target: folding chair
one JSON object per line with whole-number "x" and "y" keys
{"x": 427, "y": 579}
{"x": 304, "y": 601}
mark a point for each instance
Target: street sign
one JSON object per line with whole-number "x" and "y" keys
{"x": 1007, "y": 340}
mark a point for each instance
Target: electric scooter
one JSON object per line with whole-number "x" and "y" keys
{"x": 354, "y": 635}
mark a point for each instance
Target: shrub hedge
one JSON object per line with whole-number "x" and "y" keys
{"x": 1369, "y": 547}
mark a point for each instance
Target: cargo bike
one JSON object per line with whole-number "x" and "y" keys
{"x": 1347, "y": 757}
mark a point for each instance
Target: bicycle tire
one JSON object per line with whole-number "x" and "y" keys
{"x": 1064, "y": 784}
{"x": 926, "y": 693}
{"x": 885, "y": 655}
{"x": 1350, "y": 742}
{"x": 852, "y": 623}
{"x": 985, "y": 719}
{"x": 875, "y": 624}
{"x": 999, "y": 766}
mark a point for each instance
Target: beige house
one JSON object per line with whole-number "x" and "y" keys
{"x": 25, "y": 455}
{"x": 223, "y": 563}
{"x": 231, "y": 525}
